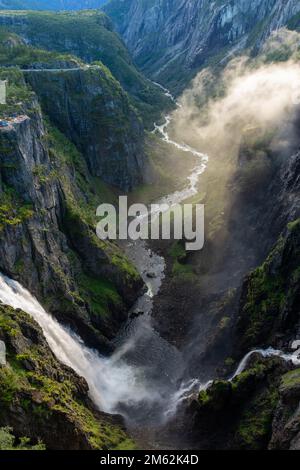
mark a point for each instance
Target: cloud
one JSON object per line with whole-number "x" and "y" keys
{"x": 246, "y": 94}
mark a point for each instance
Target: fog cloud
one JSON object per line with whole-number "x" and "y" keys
{"x": 263, "y": 96}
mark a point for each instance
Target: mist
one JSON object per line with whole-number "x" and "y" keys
{"x": 245, "y": 119}
{"x": 262, "y": 97}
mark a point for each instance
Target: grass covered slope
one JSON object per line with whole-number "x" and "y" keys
{"x": 45, "y": 400}
{"x": 86, "y": 103}
{"x": 88, "y": 35}
{"x": 15, "y": 52}
{"x": 270, "y": 299}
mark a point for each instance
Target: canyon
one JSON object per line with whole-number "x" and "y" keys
{"x": 140, "y": 344}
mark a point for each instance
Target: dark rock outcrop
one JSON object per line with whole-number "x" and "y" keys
{"x": 269, "y": 308}
{"x": 258, "y": 410}
{"x": 286, "y": 422}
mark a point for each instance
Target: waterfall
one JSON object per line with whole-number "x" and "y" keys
{"x": 269, "y": 352}
{"x": 110, "y": 380}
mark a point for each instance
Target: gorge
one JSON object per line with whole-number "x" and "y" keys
{"x": 153, "y": 346}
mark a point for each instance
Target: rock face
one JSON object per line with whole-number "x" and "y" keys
{"x": 49, "y": 191}
{"x": 171, "y": 40}
{"x": 2, "y": 353}
{"x": 257, "y": 410}
{"x": 286, "y": 422}
{"x": 45, "y": 184}
{"x": 92, "y": 110}
{"x": 269, "y": 308}
{"x": 45, "y": 400}
{"x": 89, "y": 35}
{"x": 268, "y": 311}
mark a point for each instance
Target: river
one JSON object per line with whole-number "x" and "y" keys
{"x": 145, "y": 378}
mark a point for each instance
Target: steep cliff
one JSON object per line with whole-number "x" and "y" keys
{"x": 50, "y": 4}
{"x": 171, "y": 39}
{"x": 258, "y": 410}
{"x": 269, "y": 309}
{"x": 92, "y": 110}
{"x": 89, "y": 35}
{"x": 47, "y": 219}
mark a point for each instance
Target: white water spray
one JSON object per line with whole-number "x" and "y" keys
{"x": 270, "y": 352}
{"x": 190, "y": 390}
{"x": 110, "y": 381}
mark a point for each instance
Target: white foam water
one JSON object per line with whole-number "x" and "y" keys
{"x": 110, "y": 380}
{"x": 191, "y": 389}
{"x": 269, "y": 352}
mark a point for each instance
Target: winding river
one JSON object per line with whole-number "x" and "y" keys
{"x": 145, "y": 379}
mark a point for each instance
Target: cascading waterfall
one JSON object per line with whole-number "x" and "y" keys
{"x": 191, "y": 389}
{"x": 110, "y": 381}
{"x": 145, "y": 370}
{"x": 269, "y": 352}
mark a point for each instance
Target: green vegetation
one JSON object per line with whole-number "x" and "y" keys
{"x": 13, "y": 211}
{"x": 89, "y": 35}
{"x": 265, "y": 297}
{"x": 256, "y": 421}
{"x": 215, "y": 397}
{"x": 244, "y": 408}
{"x": 177, "y": 251}
{"x": 83, "y": 195}
{"x": 180, "y": 267}
{"x": 43, "y": 175}
{"x": 18, "y": 94}
{"x": 272, "y": 291}
{"x": 168, "y": 169}
{"x": 9, "y": 442}
{"x": 294, "y": 226}
{"x": 14, "y": 52}
{"x": 100, "y": 294}
{"x": 290, "y": 380}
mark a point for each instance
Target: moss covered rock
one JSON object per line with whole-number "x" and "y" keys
{"x": 239, "y": 414}
{"x": 269, "y": 308}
